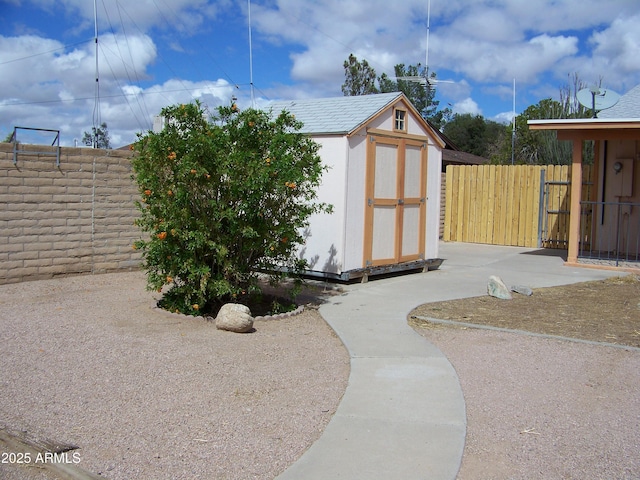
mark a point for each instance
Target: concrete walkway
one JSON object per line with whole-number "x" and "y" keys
{"x": 403, "y": 412}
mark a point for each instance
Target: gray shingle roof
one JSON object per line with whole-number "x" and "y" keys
{"x": 627, "y": 107}
{"x": 338, "y": 115}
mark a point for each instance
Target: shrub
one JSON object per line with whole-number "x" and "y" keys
{"x": 222, "y": 199}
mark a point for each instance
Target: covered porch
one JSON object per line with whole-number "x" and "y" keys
{"x": 604, "y": 229}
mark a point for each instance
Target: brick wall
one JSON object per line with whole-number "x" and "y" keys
{"x": 68, "y": 219}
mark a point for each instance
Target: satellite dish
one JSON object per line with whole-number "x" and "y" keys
{"x": 597, "y": 99}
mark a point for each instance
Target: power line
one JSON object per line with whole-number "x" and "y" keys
{"x": 133, "y": 64}
{"x": 141, "y": 106}
{"x": 125, "y": 96}
{"x": 175, "y": 19}
{"x": 77, "y": 99}
{"x": 83, "y": 42}
{"x": 145, "y": 36}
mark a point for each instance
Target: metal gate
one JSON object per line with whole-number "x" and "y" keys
{"x": 554, "y": 213}
{"x": 555, "y": 181}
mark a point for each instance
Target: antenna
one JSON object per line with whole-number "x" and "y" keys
{"x": 597, "y": 99}
{"x": 426, "y": 81}
{"x": 96, "y": 106}
{"x": 426, "y": 58}
{"x": 513, "y": 132}
{"x": 250, "y": 58}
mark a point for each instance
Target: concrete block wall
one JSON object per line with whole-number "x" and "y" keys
{"x": 443, "y": 202}
{"x": 68, "y": 219}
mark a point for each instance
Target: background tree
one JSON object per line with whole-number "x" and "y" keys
{"x": 222, "y": 200}
{"x": 543, "y": 147}
{"x": 570, "y": 106}
{"x": 422, "y": 95}
{"x": 360, "y": 78}
{"x": 473, "y": 133}
{"x": 98, "y": 137}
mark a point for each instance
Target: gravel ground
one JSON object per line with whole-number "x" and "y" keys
{"x": 145, "y": 394}
{"x": 539, "y": 408}
{"x": 88, "y": 361}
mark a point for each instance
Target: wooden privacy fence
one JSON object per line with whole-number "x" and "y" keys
{"x": 516, "y": 205}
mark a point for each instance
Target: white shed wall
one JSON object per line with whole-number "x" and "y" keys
{"x": 356, "y": 200}
{"x": 324, "y": 247}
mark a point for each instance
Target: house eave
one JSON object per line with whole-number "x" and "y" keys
{"x": 590, "y": 128}
{"x": 326, "y": 134}
{"x": 585, "y": 124}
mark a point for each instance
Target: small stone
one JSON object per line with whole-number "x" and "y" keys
{"x": 234, "y": 317}
{"x": 522, "y": 290}
{"x": 497, "y": 288}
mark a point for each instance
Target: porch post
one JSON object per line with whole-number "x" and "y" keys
{"x": 576, "y": 194}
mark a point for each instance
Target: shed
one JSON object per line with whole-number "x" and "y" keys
{"x": 604, "y": 228}
{"x": 383, "y": 181}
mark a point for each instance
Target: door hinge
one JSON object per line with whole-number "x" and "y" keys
{"x": 369, "y": 202}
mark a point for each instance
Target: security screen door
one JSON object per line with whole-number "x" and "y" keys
{"x": 396, "y": 201}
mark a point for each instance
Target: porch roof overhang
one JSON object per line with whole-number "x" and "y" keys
{"x": 577, "y": 130}
{"x": 591, "y": 128}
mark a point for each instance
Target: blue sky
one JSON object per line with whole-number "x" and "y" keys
{"x": 154, "y": 53}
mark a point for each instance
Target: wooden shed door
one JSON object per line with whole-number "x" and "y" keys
{"x": 396, "y": 201}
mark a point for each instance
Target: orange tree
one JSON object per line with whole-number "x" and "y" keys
{"x": 223, "y": 198}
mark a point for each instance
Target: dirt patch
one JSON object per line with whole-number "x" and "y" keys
{"x": 602, "y": 311}
{"x": 538, "y": 407}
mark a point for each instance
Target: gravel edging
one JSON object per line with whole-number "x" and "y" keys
{"x": 279, "y": 316}
{"x": 455, "y": 323}
{"x": 151, "y": 394}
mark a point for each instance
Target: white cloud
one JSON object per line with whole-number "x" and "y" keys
{"x": 474, "y": 23}
{"x": 485, "y": 61}
{"x": 327, "y": 32}
{"x": 61, "y": 85}
{"x": 468, "y": 105}
{"x": 482, "y": 44}
{"x": 619, "y": 45}
{"x": 69, "y": 77}
{"x": 177, "y": 16}
{"x": 503, "y": 117}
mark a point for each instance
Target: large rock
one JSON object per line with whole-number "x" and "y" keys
{"x": 522, "y": 290}
{"x": 234, "y": 317}
{"x": 497, "y": 288}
